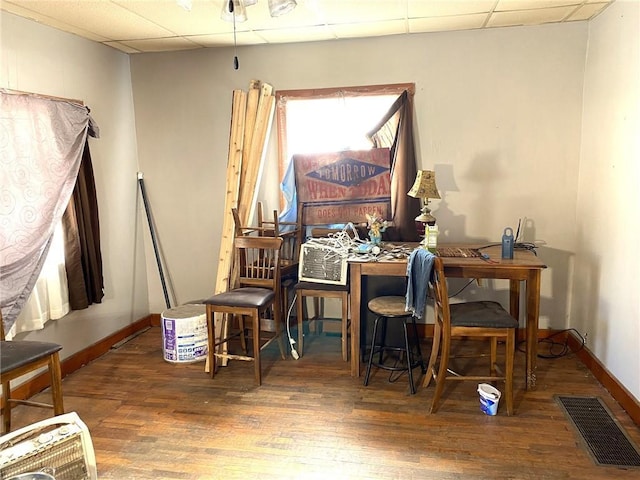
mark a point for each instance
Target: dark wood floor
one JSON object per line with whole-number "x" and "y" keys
{"x": 150, "y": 419}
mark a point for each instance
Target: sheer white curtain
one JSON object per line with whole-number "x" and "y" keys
{"x": 49, "y": 299}
{"x": 41, "y": 145}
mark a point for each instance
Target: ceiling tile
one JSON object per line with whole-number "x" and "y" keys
{"x": 226, "y": 39}
{"x": 454, "y": 22}
{"x": 529, "y": 17}
{"x": 121, "y": 47}
{"x": 393, "y": 27}
{"x": 440, "y": 8}
{"x": 290, "y": 35}
{"x": 161, "y": 44}
{"x": 101, "y": 17}
{"x": 357, "y": 11}
{"x": 171, "y": 16}
{"x": 514, "y": 5}
{"x": 587, "y": 11}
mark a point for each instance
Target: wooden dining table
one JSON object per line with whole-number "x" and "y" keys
{"x": 525, "y": 268}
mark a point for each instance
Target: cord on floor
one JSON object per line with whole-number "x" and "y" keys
{"x": 556, "y": 349}
{"x": 292, "y": 342}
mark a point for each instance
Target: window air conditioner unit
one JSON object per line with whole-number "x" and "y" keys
{"x": 322, "y": 264}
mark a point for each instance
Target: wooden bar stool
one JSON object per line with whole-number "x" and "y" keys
{"x": 254, "y": 295}
{"x": 20, "y": 357}
{"x": 320, "y": 291}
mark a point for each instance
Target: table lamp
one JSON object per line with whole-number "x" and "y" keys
{"x": 424, "y": 188}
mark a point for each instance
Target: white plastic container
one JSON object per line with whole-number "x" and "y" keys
{"x": 184, "y": 334}
{"x": 489, "y": 398}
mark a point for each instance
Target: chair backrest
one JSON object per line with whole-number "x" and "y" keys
{"x": 1, "y": 326}
{"x": 244, "y": 230}
{"x": 440, "y": 293}
{"x": 291, "y": 233}
{"x": 258, "y": 261}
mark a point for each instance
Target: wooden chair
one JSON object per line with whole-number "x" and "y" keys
{"x": 292, "y": 236}
{"x": 254, "y": 293}
{"x": 470, "y": 319}
{"x": 319, "y": 292}
{"x": 20, "y": 357}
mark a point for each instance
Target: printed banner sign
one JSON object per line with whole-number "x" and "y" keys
{"x": 342, "y": 187}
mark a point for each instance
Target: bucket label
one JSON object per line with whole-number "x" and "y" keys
{"x": 185, "y": 340}
{"x": 489, "y": 398}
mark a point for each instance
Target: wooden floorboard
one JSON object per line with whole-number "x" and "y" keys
{"x": 150, "y": 419}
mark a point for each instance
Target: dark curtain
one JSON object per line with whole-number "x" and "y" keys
{"x": 82, "y": 240}
{"x": 395, "y": 131}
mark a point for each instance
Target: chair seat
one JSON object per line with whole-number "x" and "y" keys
{"x": 485, "y": 314}
{"x": 252, "y": 297}
{"x": 389, "y": 306}
{"x": 325, "y": 287}
{"x": 16, "y": 354}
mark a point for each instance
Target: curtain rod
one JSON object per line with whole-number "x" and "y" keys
{"x": 39, "y": 95}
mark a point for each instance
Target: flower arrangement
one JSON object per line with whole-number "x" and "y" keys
{"x": 376, "y": 226}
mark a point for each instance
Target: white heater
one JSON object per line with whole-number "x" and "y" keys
{"x": 61, "y": 445}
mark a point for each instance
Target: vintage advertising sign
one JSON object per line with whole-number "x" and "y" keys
{"x": 342, "y": 187}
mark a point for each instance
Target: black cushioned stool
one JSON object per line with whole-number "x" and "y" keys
{"x": 20, "y": 357}
{"x": 393, "y": 308}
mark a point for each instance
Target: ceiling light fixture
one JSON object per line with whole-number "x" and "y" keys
{"x": 186, "y": 4}
{"x": 276, "y": 8}
{"x": 235, "y": 11}
{"x": 281, "y": 7}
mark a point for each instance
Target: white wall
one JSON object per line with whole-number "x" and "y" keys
{"x": 42, "y": 60}
{"x": 606, "y": 302}
{"x": 499, "y": 109}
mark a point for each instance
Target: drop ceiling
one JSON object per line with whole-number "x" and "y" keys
{"x": 137, "y": 26}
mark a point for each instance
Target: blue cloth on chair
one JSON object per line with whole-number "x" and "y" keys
{"x": 419, "y": 268}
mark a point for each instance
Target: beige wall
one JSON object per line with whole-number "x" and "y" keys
{"x": 500, "y": 110}
{"x": 39, "y": 59}
{"x": 606, "y": 302}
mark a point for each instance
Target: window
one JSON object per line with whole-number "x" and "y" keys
{"x": 330, "y": 119}
{"x": 391, "y": 127}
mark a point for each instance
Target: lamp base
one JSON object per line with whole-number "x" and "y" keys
{"x": 422, "y": 221}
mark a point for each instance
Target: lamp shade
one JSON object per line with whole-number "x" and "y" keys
{"x": 233, "y": 10}
{"x": 424, "y": 185}
{"x": 280, "y": 7}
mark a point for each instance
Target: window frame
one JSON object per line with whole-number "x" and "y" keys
{"x": 282, "y": 96}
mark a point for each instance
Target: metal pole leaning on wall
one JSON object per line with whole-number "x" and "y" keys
{"x": 153, "y": 237}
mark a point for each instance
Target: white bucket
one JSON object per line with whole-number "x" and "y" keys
{"x": 184, "y": 334}
{"x": 489, "y": 398}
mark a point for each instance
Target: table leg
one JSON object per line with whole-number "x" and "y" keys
{"x": 533, "y": 313}
{"x": 355, "y": 281}
{"x": 514, "y": 299}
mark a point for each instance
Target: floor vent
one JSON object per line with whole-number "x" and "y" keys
{"x": 605, "y": 440}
